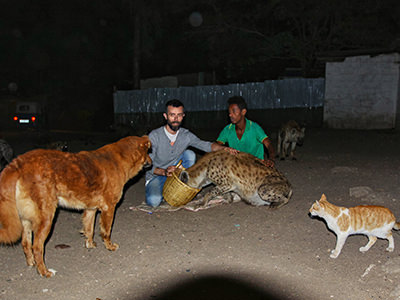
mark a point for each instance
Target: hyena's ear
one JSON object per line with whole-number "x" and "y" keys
{"x": 184, "y": 176}
{"x": 303, "y": 130}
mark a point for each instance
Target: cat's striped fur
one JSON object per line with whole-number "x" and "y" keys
{"x": 370, "y": 220}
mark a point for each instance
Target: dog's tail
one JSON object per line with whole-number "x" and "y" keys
{"x": 11, "y": 226}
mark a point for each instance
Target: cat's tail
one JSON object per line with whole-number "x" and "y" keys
{"x": 396, "y": 226}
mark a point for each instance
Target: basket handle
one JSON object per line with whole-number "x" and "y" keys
{"x": 179, "y": 164}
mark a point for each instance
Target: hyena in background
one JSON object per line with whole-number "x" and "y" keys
{"x": 6, "y": 154}
{"x": 289, "y": 135}
{"x": 58, "y": 145}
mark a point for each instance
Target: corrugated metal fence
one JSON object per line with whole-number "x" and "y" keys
{"x": 285, "y": 93}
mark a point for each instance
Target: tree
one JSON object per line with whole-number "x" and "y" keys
{"x": 243, "y": 34}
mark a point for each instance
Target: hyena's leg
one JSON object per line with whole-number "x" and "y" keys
{"x": 88, "y": 218}
{"x": 340, "y": 240}
{"x": 216, "y": 191}
{"x": 26, "y": 242}
{"x": 232, "y": 197}
{"x": 276, "y": 194}
{"x": 283, "y": 199}
{"x": 292, "y": 148}
{"x": 371, "y": 241}
{"x": 106, "y": 222}
{"x": 285, "y": 150}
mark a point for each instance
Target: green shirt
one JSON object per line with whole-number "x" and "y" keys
{"x": 251, "y": 141}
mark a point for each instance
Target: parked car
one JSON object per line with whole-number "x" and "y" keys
{"x": 28, "y": 115}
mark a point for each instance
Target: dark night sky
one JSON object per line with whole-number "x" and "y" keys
{"x": 76, "y": 51}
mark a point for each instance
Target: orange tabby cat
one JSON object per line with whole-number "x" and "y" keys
{"x": 373, "y": 221}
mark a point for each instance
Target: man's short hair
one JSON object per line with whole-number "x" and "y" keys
{"x": 173, "y": 103}
{"x": 239, "y": 101}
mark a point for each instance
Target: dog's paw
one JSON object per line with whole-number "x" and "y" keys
{"x": 30, "y": 261}
{"x": 48, "y": 273}
{"x": 111, "y": 246}
{"x": 90, "y": 244}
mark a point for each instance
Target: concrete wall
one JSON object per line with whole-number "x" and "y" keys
{"x": 362, "y": 92}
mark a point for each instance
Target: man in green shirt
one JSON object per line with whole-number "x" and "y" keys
{"x": 245, "y": 135}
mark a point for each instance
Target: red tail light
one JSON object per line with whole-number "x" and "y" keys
{"x": 15, "y": 118}
{"x": 33, "y": 119}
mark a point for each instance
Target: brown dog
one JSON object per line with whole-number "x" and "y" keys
{"x": 34, "y": 183}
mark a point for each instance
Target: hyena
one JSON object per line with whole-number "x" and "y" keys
{"x": 289, "y": 135}
{"x": 243, "y": 174}
{"x": 58, "y": 145}
{"x": 6, "y": 154}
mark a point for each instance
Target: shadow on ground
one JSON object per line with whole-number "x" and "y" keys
{"x": 215, "y": 287}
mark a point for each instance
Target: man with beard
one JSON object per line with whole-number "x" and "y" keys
{"x": 245, "y": 135}
{"x": 169, "y": 144}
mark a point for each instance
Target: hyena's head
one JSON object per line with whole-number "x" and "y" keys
{"x": 59, "y": 145}
{"x": 184, "y": 177}
{"x": 193, "y": 179}
{"x": 299, "y": 133}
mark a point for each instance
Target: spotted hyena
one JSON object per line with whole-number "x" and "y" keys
{"x": 289, "y": 135}
{"x": 57, "y": 145}
{"x": 243, "y": 174}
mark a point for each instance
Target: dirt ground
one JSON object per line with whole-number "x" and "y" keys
{"x": 232, "y": 251}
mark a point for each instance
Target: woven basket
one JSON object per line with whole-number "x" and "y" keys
{"x": 177, "y": 193}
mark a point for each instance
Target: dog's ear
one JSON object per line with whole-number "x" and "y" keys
{"x": 146, "y": 143}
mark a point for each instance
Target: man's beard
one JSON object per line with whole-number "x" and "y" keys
{"x": 174, "y": 127}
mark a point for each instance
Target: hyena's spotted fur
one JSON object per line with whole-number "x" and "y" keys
{"x": 242, "y": 174}
{"x": 289, "y": 135}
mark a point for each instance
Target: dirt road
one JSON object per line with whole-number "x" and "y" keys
{"x": 233, "y": 251}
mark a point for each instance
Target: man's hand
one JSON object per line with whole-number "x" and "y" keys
{"x": 231, "y": 150}
{"x": 269, "y": 163}
{"x": 170, "y": 170}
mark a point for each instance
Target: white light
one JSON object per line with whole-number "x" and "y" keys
{"x": 195, "y": 19}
